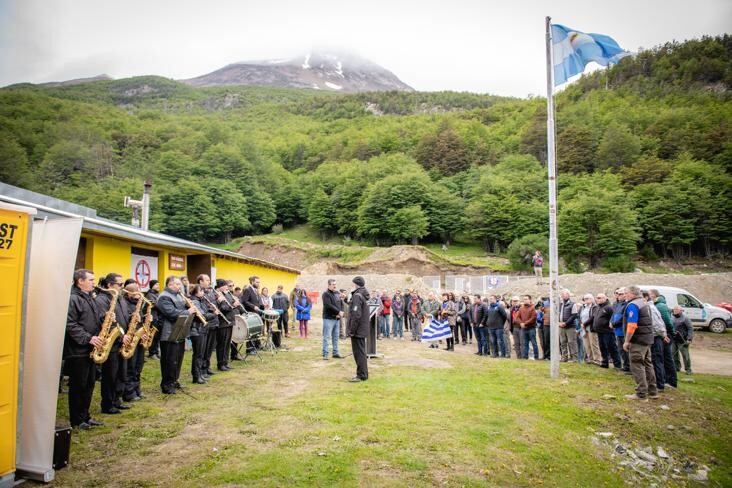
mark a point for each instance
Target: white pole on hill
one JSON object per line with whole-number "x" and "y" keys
{"x": 551, "y": 167}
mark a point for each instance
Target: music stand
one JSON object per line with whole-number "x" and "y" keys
{"x": 181, "y": 328}
{"x": 373, "y": 330}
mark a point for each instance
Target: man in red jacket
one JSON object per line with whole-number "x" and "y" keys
{"x": 384, "y": 314}
{"x": 526, "y": 320}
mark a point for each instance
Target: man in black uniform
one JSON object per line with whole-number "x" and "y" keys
{"x": 250, "y": 296}
{"x": 132, "y": 391}
{"x": 171, "y": 306}
{"x": 114, "y": 369}
{"x": 228, "y": 307}
{"x": 359, "y": 314}
{"x": 152, "y": 295}
{"x": 209, "y": 295}
{"x": 82, "y": 328}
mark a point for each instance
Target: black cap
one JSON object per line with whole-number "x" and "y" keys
{"x": 359, "y": 281}
{"x": 220, "y": 283}
{"x": 152, "y": 283}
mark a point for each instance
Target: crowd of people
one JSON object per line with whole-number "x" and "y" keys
{"x": 636, "y": 332}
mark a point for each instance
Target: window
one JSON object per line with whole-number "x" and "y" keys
{"x": 687, "y": 301}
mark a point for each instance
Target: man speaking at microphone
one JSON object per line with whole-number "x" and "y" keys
{"x": 358, "y": 327}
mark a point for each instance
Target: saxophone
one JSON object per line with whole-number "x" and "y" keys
{"x": 198, "y": 313}
{"x": 110, "y": 330}
{"x": 148, "y": 329}
{"x": 127, "y": 351}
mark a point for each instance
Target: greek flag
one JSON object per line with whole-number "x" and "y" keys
{"x": 436, "y": 330}
{"x": 573, "y": 50}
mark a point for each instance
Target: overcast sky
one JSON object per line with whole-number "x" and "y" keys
{"x": 466, "y": 45}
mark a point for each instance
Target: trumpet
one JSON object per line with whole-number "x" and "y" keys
{"x": 198, "y": 313}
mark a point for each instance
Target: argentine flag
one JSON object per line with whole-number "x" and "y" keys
{"x": 573, "y": 50}
{"x": 436, "y": 330}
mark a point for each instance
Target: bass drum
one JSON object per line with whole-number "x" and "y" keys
{"x": 246, "y": 327}
{"x": 239, "y": 330}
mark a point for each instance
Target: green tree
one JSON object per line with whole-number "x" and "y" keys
{"x": 408, "y": 223}
{"x": 618, "y": 147}
{"x": 320, "y": 213}
{"x": 14, "y": 162}
{"x": 189, "y": 211}
{"x": 576, "y": 146}
{"x": 593, "y": 228}
{"x": 232, "y": 211}
{"x": 260, "y": 208}
{"x": 521, "y": 250}
{"x": 444, "y": 151}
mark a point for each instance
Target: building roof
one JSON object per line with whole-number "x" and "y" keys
{"x": 49, "y": 207}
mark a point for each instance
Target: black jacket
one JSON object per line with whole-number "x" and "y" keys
{"x": 197, "y": 327}
{"x": 601, "y": 318}
{"x": 280, "y": 301}
{"x": 250, "y": 299}
{"x": 170, "y": 307}
{"x": 359, "y": 313}
{"x": 228, "y": 311}
{"x": 121, "y": 313}
{"x": 331, "y": 304}
{"x": 214, "y": 321}
{"x": 476, "y": 318}
{"x": 495, "y": 317}
{"x": 566, "y": 314}
{"x": 83, "y": 322}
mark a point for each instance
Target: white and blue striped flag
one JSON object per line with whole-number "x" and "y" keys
{"x": 573, "y": 50}
{"x": 436, "y": 330}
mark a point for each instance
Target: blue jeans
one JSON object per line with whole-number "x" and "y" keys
{"x": 480, "y": 334}
{"x": 384, "y": 325}
{"x": 529, "y": 335}
{"x": 397, "y": 326}
{"x": 498, "y": 345}
{"x": 580, "y": 349}
{"x": 330, "y": 331}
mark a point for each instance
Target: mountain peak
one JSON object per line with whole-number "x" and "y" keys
{"x": 319, "y": 70}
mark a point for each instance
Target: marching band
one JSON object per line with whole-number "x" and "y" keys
{"x": 111, "y": 326}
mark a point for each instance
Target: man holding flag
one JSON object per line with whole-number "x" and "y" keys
{"x": 568, "y": 52}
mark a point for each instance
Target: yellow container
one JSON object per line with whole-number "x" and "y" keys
{"x": 15, "y": 225}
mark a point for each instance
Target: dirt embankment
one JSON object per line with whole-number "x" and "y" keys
{"x": 284, "y": 255}
{"x": 407, "y": 260}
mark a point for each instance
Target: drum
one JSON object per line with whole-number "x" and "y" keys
{"x": 246, "y": 326}
{"x": 270, "y": 315}
{"x": 270, "y": 318}
{"x": 239, "y": 330}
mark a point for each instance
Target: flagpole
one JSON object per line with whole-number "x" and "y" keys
{"x": 551, "y": 167}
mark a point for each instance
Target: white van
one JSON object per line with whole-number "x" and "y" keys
{"x": 702, "y": 315}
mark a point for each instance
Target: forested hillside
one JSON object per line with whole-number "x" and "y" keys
{"x": 644, "y": 157}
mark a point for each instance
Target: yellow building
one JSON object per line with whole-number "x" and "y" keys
{"x": 106, "y": 246}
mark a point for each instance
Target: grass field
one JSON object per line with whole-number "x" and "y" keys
{"x": 426, "y": 417}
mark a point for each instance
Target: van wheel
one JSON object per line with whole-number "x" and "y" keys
{"x": 718, "y": 326}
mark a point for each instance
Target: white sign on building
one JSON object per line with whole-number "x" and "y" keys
{"x": 144, "y": 269}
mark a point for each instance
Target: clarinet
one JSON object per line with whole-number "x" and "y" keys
{"x": 216, "y": 310}
{"x": 231, "y": 304}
